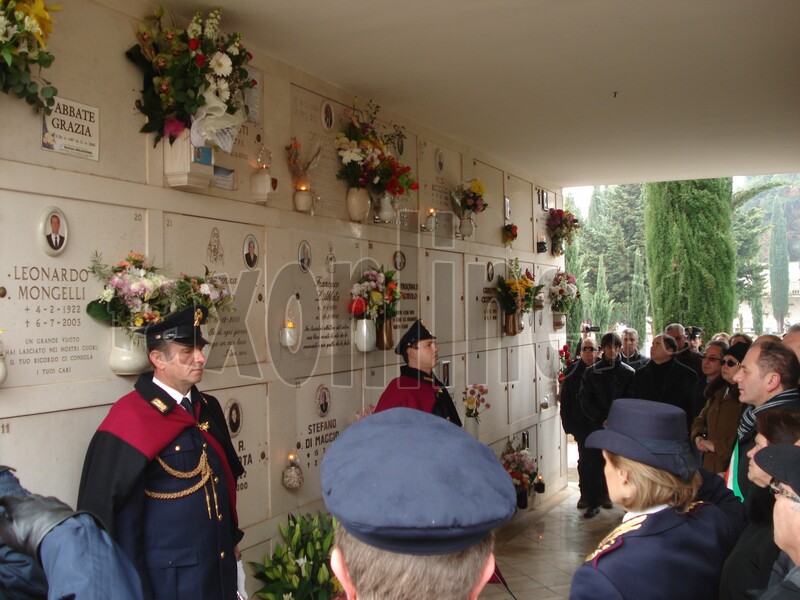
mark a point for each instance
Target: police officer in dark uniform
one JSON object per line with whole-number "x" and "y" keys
{"x": 161, "y": 472}
{"x": 417, "y": 387}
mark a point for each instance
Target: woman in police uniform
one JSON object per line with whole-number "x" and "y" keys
{"x": 669, "y": 545}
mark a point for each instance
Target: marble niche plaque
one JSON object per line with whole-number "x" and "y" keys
{"x": 483, "y": 310}
{"x": 440, "y": 172}
{"x": 48, "y": 336}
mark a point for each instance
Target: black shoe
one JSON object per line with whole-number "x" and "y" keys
{"x": 592, "y": 512}
{"x": 582, "y": 503}
{"x": 607, "y": 503}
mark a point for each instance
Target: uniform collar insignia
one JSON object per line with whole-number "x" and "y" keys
{"x": 612, "y": 539}
{"x": 159, "y": 405}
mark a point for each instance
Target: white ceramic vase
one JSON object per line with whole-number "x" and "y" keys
{"x": 471, "y": 426}
{"x": 365, "y": 335}
{"x": 358, "y": 204}
{"x": 128, "y": 353}
{"x": 386, "y": 212}
{"x": 465, "y": 227}
{"x": 559, "y": 320}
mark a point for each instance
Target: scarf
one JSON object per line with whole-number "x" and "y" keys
{"x": 747, "y": 422}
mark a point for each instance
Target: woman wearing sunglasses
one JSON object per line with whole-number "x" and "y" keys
{"x": 714, "y": 429}
{"x": 750, "y": 563}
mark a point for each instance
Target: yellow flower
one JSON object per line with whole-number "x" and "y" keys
{"x": 469, "y": 402}
{"x": 38, "y": 11}
{"x": 477, "y": 187}
{"x": 139, "y": 321}
{"x": 376, "y": 297}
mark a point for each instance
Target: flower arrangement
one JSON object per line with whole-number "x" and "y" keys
{"x": 193, "y": 78}
{"x": 467, "y": 198}
{"x": 517, "y": 292}
{"x": 375, "y": 296}
{"x": 363, "y": 414}
{"x": 562, "y": 226}
{"x": 366, "y": 159}
{"x": 209, "y": 291}
{"x": 521, "y": 466}
{"x": 475, "y": 401}
{"x": 565, "y": 360}
{"x": 300, "y": 565}
{"x": 25, "y": 26}
{"x": 563, "y": 291}
{"x": 297, "y": 167}
{"x": 135, "y": 293}
{"x": 509, "y": 234}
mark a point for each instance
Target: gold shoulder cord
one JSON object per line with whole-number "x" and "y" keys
{"x": 611, "y": 538}
{"x": 204, "y": 470}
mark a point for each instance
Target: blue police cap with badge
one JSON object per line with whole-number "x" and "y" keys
{"x": 416, "y": 333}
{"x": 182, "y": 327}
{"x": 653, "y": 433}
{"x": 405, "y": 481}
{"x": 693, "y": 332}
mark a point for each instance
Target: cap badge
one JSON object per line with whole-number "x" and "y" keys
{"x": 198, "y": 317}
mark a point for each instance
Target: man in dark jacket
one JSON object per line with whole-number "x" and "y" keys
{"x": 664, "y": 379}
{"x": 685, "y": 354}
{"x": 605, "y": 381}
{"x": 572, "y": 418}
{"x": 630, "y": 349}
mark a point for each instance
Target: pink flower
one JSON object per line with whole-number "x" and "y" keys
{"x": 173, "y": 127}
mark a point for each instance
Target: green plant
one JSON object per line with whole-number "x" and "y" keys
{"x": 300, "y": 566}
{"x": 24, "y": 28}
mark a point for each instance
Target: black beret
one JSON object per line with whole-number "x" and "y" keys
{"x": 406, "y": 481}
{"x": 416, "y": 333}
{"x": 182, "y": 327}
{"x": 781, "y": 461}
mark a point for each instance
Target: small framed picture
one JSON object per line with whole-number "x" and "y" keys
{"x": 399, "y": 260}
{"x": 53, "y": 231}
{"x": 250, "y": 251}
{"x": 438, "y": 158}
{"x": 304, "y": 256}
{"x": 446, "y": 373}
{"x": 322, "y": 400}
{"x": 326, "y": 115}
{"x": 490, "y": 271}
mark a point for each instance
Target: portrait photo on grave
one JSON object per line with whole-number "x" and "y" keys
{"x": 250, "y": 251}
{"x": 304, "y": 256}
{"x": 53, "y": 231}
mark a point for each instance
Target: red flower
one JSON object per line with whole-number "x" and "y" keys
{"x": 200, "y": 60}
{"x": 357, "y": 307}
{"x": 194, "y": 44}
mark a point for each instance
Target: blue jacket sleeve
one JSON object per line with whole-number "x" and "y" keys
{"x": 589, "y": 583}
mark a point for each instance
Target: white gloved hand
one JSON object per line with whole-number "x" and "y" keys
{"x": 240, "y": 579}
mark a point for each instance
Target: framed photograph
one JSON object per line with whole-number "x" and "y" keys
{"x": 490, "y": 271}
{"x": 399, "y": 260}
{"x": 304, "y": 256}
{"x": 233, "y": 415}
{"x": 326, "y": 115}
{"x": 250, "y": 251}
{"x": 322, "y": 400}
{"x": 446, "y": 373}
{"x": 53, "y": 232}
{"x": 438, "y": 159}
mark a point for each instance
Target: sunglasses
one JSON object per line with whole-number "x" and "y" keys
{"x": 707, "y": 357}
{"x": 777, "y": 489}
{"x": 731, "y": 363}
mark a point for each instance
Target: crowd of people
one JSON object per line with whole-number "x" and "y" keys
{"x": 736, "y": 398}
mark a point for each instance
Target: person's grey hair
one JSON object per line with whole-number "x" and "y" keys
{"x": 719, "y": 344}
{"x": 669, "y": 341}
{"x": 631, "y": 331}
{"x": 381, "y": 575}
{"x": 677, "y": 326}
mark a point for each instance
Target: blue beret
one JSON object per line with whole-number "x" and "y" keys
{"x": 405, "y": 481}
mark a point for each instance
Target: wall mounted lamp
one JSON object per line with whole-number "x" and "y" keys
{"x": 429, "y": 224}
{"x": 293, "y": 474}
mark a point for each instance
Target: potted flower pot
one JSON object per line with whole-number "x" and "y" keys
{"x": 559, "y": 320}
{"x": 128, "y": 353}
{"x": 384, "y": 334}
{"x": 511, "y": 325}
{"x": 466, "y": 227}
{"x": 358, "y": 204}
{"x": 386, "y": 212}
{"x": 364, "y": 335}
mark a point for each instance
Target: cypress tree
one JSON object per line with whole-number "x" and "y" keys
{"x": 638, "y": 298}
{"x": 779, "y": 266}
{"x": 602, "y": 304}
{"x": 757, "y": 310}
{"x": 690, "y": 255}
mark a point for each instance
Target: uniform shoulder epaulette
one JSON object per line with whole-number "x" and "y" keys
{"x": 614, "y": 539}
{"x": 159, "y": 405}
{"x": 694, "y": 506}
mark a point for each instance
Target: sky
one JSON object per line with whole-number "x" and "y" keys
{"x": 583, "y": 194}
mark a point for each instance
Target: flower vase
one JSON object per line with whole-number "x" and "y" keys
{"x": 559, "y": 319}
{"x": 465, "y": 227}
{"x": 128, "y": 352}
{"x": 522, "y": 499}
{"x": 384, "y": 334}
{"x": 538, "y": 302}
{"x": 511, "y": 324}
{"x": 358, "y": 204}
{"x": 471, "y": 426}
{"x": 386, "y": 212}
{"x": 364, "y": 335}
{"x": 556, "y": 245}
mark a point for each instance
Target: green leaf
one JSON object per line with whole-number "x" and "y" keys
{"x": 6, "y": 54}
{"x": 99, "y": 310}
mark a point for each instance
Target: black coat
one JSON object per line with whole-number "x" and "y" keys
{"x": 677, "y": 383}
{"x": 635, "y": 360}
{"x": 603, "y": 383}
{"x": 572, "y": 418}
